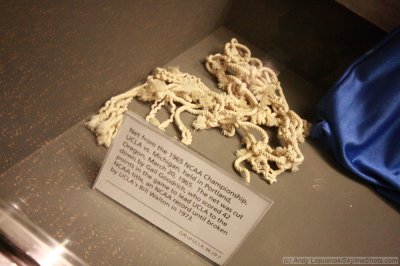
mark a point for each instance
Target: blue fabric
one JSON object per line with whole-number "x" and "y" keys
{"x": 359, "y": 118}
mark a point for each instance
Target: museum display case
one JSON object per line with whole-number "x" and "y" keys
{"x": 61, "y": 61}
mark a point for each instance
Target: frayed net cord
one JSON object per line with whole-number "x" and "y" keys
{"x": 252, "y": 99}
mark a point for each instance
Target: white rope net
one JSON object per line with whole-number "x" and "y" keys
{"x": 252, "y": 100}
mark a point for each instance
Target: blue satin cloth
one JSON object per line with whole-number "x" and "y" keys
{"x": 359, "y": 118}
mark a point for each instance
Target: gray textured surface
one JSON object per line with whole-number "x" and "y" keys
{"x": 318, "y": 211}
{"x": 59, "y": 60}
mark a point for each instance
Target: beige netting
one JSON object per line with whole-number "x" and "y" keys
{"x": 252, "y": 99}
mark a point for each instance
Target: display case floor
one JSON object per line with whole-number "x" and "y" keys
{"x": 321, "y": 210}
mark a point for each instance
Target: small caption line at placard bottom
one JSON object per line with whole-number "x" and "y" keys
{"x": 127, "y": 193}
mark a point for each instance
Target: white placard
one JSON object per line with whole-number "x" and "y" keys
{"x": 177, "y": 190}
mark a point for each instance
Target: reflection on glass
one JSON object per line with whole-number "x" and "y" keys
{"x": 23, "y": 243}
